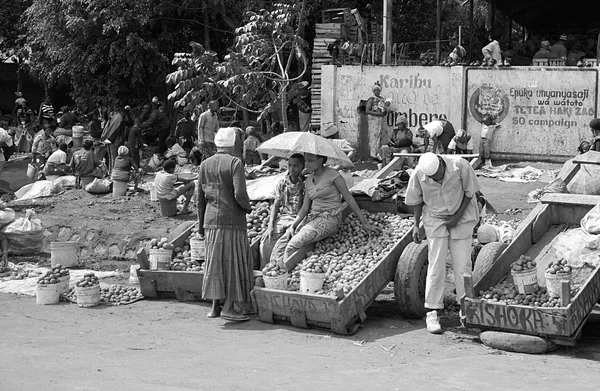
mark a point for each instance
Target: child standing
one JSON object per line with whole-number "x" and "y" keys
{"x": 251, "y": 156}
{"x": 485, "y": 143}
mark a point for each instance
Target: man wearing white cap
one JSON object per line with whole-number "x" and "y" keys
{"x": 558, "y": 50}
{"x": 442, "y": 190}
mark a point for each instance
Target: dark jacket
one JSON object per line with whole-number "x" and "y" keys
{"x": 222, "y": 198}
{"x": 158, "y": 121}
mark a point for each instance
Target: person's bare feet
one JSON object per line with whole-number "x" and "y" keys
{"x": 214, "y": 313}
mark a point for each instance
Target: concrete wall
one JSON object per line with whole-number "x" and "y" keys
{"x": 533, "y": 126}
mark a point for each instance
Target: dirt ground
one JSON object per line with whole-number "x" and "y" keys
{"x": 171, "y": 345}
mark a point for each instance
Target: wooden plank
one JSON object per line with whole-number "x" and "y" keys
{"x": 585, "y": 300}
{"x": 468, "y": 281}
{"x": 167, "y": 283}
{"x": 565, "y": 293}
{"x": 142, "y": 258}
{"x": 570, "y": 199}
{"x": 466, "y": 156}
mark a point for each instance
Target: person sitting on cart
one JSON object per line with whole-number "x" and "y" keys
{"x": 164, "y": 184}
{"x": 321, "y": 213}
{"x": 289, "y": 195}
{"x": 443, "y": 191}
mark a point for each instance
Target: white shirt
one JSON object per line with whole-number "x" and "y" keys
{"x": 57, "y": 157}
{"x": 488, "y": 130}
{"x": 6, "y": 138}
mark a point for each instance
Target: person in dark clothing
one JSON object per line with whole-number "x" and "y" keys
{"x": 68, "y": 119}
{"x": 134, "y": 140}
{"x": 185, "y": 131}
{"x": 159, "y": 123}
{"x": 240, "y": 136}
{"x": 94, "y": 128}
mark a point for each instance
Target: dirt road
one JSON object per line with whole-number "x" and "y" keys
{"x": 168, "y": 345}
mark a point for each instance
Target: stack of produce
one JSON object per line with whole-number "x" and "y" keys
{"x": 117, "y": 294}
{"x": 52, "y": 276}
{"x": 182, "y": 261}
{"x": 507, "y": 293}
{"x": 559, "y": 266}
{"x": 162, "y": 243}
{"x": 89, "y": 279}
{"x": 523, "y": 264}
{"x": 271, "y": 269}
{"x": 349, "y": 255}
{"x": 258, "y": 219}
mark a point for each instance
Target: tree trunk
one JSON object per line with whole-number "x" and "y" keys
{"x": 206, "y": 29}
{"x": 284, "y": 115}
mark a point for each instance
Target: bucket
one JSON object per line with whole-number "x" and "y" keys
{"x": 64, "y": 253}
{"x": 119, "y": 189}
{"x": 553, "y": 282}
{"x": 279, "y": 282}
{"x": 159, "y": 258}
{"x": 133, "y": 276}
{"x": 197, "y": 250}
{"x": 32, "y": 172}
{"x": 311, "y": 282}
{"x": 88, "y": 296}
{"x": 526, "y": 281}
{"x": 152, "y": 189}
{"x": 168, "y": 207}
{"x": 77, "y": 136}
{"x": 63, "y": 285}
{"x": 47, "y": 294}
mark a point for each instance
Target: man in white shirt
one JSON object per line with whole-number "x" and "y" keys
{"x": 57, "y": 162}
{"x": 208, "y": 125}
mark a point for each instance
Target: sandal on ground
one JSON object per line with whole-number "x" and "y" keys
{"x": 238, "y": 318}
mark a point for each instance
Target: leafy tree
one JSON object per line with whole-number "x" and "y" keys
{"x": 258, "y": 74}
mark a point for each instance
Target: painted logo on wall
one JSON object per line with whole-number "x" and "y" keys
{"x": 489, "y": 99}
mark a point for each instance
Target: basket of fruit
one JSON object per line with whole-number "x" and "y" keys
{"x": 88, "y": 290}
{"x": 160, "y": 254}
{"x": 556, "y": 272}
{"x": 524, "y": 273}
{"x": 48, "y": 288}
{"x": 275, "y": 276}
{"x": 312, "y": 276}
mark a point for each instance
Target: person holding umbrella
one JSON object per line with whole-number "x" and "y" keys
{"x": 321, "y": 213}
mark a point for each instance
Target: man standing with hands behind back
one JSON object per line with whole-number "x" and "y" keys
{"x": 442, "y": 190}
{"x": 208, "y": 126}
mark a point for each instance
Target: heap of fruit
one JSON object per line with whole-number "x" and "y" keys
{"x": 89, "y": 279}
{"x": 559, "y": 266}
{"x": 523, "y": 264}
{"x": 162, "y": 243}
{"x": 350, "y": 254}
{"x": 183, "y": 261}
{"x": 258, "y": 220}
{"x": 507, "y": 293}
{"x": 271, "y": 269}
{"x": 53, "y": 275}
{"x": 119, "y": 294}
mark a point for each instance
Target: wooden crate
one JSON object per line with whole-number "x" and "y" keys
{"x": 534, "y": 238}
{"x": 330, "y": 30}
{"x": 337, "y": 15}
{"x": 323, "y": 312}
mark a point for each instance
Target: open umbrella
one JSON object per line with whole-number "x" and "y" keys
{"x": 287, "y": 144}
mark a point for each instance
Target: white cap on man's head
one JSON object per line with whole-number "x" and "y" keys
{"x": 428, "y": 163}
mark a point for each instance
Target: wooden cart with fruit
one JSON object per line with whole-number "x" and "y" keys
{"x": 493, "y": 302}
{"x": 361, "y": 271}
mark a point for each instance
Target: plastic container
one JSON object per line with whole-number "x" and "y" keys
{"x": 553, "y": 282}
{"x": 311, "y": 282}
{"x": 526, "y": 281}
{"x": 88, "y": 296}
{"x": 64, "y": 253}
{"x": 47, "y": 294}
{"x": 133, "y": 276}
{"x": 168, "y": 207}
{"x": 77, "y": 136}
{"x": 279, "y": 282}
{"x": 197, "y": 250}
{"x": 159, "y": 258}
{"x": 63, "y": 285}
{"x": 119, "y": 189}
{"x": 153, "y": 195}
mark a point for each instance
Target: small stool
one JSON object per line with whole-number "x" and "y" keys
{"x": 168, "y": 207}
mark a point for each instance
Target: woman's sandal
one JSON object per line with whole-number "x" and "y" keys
{"x": 239, "y": 318}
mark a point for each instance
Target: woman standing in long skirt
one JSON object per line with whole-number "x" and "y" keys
{"x": 222, "y": 207}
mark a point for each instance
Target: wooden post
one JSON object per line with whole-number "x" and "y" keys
{"x": 438, "y": 31}
{"x": 565, "y": 293}
{"x": 469, "y": 291}
{"x": 460, "y": 35}
{"x": 471, "y": 29}
{"x": 387, "y": 31}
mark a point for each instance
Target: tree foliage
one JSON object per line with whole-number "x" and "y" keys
{"x": 260, "y": 71}
{"x": 11, "y": 32}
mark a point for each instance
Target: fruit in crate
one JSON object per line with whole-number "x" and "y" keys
{"x": 523, "y": 264}
{"x": 186, "y": 265}
{"x": 118, "y": 294}
{"x": 349, "y": 255}
{"x": 89, "y": 279}
{"x": 559, "y": 266}
{"x": 508, "y": 294}
{"x": 162, "y": 243}
{"x": 271, "y": 269}
{"x": 257, "y": 221}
